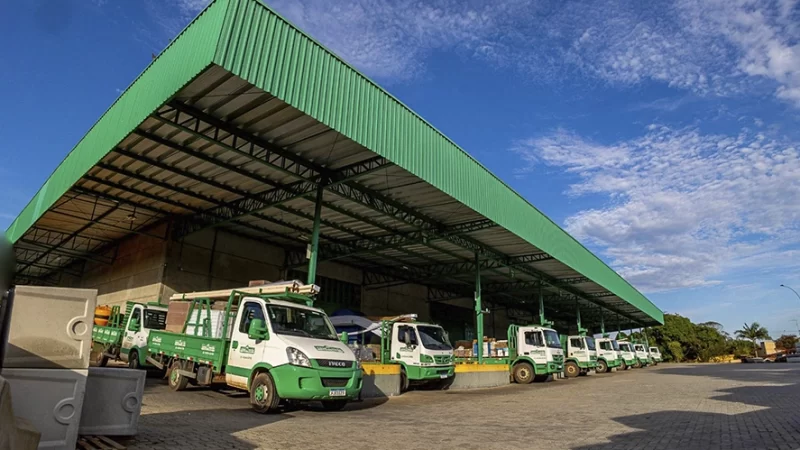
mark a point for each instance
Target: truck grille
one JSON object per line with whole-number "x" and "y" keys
{"x": 443, "y": 359}
{"x": 335, "y": 382}
{"x": 558, "y": 358}
{"x": 335, "y": 363}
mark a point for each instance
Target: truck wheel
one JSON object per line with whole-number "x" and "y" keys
{"x": 101, "y": 359}
{"x": 623, "y": 365}
{"x": 133, "y": 360}
{"x": 334, "y": 405}
{"x": 637, "y": 364}
{"x": 523, "y": 373}
{"x": 263, "y": 396}
{"x": 602, "y": 367}
{"x": 404, "y": 383}
{"x": 571, "y": 370}
{"x": 177, "y": 382}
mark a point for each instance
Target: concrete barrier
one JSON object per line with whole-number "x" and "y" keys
{"x": 113, "y": 401}
{"x": 15, "y": 433}
{"x": 51, "y": 400}
{"x": 380, "y": 380}
{"x": 51, "y": 328}
{"x": 474, "y": 376}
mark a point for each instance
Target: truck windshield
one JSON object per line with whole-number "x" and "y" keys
{"x": 590, "y": 343}
{"x": 653, "y": 350}
{"x": 551, "y": 339}
{"x": 624, "y": 347}
{"x": 300, "y": 322}
{"x": 638, "y": 348}
{"x": 433, "y": 338}
{"x": 615, "y": 345}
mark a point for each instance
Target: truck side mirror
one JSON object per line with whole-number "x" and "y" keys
{"x": 407, "y": 338}
{"x": 134, "y": 325}
{"x": 257, "y": 330}
{"x": 344, "y": 337}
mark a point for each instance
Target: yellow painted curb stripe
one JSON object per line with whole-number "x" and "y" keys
{"x": 467, "y": 368}
{"x": 380, "y": 369}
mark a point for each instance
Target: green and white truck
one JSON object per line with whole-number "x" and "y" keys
{"x": 642, "y": 357}
{"x": 580, "y": 354}
{"x": 607, "y": 355}
{"x": 423, "y": 350}
{"x": 534, "y": 353}
{"x": 276, "y": 346}
{"x": 125, "y": 336}
{"x": 627, "y": 355}
{"x": 655, "y": 355}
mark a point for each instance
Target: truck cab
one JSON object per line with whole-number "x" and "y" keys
{"x": 655, "y": 355}
{"x": 422, "y": 349}
{"x": 580, "y": 355}
{"x": 626, "y": 354}
{"x": 642, "y": 357}
{"x": 607, "y": 355}
{"x": 536, "y": 353}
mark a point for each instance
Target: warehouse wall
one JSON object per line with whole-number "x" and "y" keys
{"x": 215, "y": 259}
{"x": 136, "y": 273}
{"x": 396, "y": 300}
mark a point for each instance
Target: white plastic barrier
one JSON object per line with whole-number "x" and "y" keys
{"x": 51, "y": 400}
{"x": 51, "y": 328}
{"x": 113, "y": 401}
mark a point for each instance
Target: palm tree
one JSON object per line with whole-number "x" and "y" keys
{"x": 753, "y": 332}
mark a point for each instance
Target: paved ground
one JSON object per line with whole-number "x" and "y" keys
{"x": 667, "y": 407}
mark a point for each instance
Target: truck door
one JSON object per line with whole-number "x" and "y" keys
{"x": 576, "y": 348}
{"x": 405, "y": 345}
{"x": 245, "y": 352}
{"x": 129, "y": 338}
{"x": 534, "y": 346}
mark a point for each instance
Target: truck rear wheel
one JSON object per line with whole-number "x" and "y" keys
{"x": 101, "y": 359}
{"x": 571, "y": 370}
{"x": 177, "y": 382}
{"x": 602, "y": 367}
{"x": 523, "y": 373}
{"x": 263, "y": 396}
{"x": 334, "y": 405}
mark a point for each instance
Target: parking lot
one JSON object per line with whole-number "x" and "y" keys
{"x": 666, "y": 407}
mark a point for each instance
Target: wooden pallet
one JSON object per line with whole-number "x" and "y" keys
{"x": 98, "y": 443}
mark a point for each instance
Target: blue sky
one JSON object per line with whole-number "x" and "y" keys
{"x": 664, "y": 137}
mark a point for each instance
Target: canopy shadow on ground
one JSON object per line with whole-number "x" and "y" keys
{"x": 777, "y": 372}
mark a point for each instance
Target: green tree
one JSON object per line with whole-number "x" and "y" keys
{"x": 753, "y": 332}
{"x": 786, "y": 342}
{"x": 674, "y": 351}
{"x": 739, "y": 347}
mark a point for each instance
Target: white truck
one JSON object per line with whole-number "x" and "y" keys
{"x": 655, "y": 355}
{"x": 626, "y": 354}
{"x": 124, "y": 337}
{"x": 580, "y": 355}
{"x": 642, "y": 356}
{"x": 607, "y": 355}
{"x": 277, "y": 347}
{"x": 423, "y": 350}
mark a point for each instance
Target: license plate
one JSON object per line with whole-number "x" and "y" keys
{"x": 443, "y": 376}
{"x": 337, "y": 393}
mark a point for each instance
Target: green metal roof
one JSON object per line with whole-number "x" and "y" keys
{"x": 254, "y": 43}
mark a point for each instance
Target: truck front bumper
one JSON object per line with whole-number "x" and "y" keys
{"x": 307, "y": 383}
{"x": 611, "y": 363}
{"x": 430, "y": 372}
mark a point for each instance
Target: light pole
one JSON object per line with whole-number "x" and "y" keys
{"x": 789, "y": 288}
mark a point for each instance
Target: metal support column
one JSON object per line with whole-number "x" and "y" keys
{"x": 602, "y": 323}
{"x": 313, "y": 251}
{"x": 478, "y": 308}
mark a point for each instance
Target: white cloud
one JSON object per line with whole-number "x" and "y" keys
{"x": 714, "y": 47}
{"x": 684, "y": 208}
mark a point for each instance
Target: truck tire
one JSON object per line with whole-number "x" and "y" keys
{"x": 101, "y": 359}
{"x": 623, "y": 366}
{"x": 602, "y": 367}
{"x": 571, "y": 370}
{"x": 523, "y": 373}
{"x": 133, "y": 360}
{"x": 177, "y": 382}
{"x": 334, "y": 405}
{"x": 404, "y": 383}
{"x": 263, "y": 396}
{"x": 637, "y": 364}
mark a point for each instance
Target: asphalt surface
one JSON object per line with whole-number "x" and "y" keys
{"x": 725, "y": 406}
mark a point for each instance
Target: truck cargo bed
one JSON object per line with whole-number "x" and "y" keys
{"x": 200, "y": 349}
{"x": 108, "y": 334}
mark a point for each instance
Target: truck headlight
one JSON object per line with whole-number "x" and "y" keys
{"x": 297, "y": 358}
